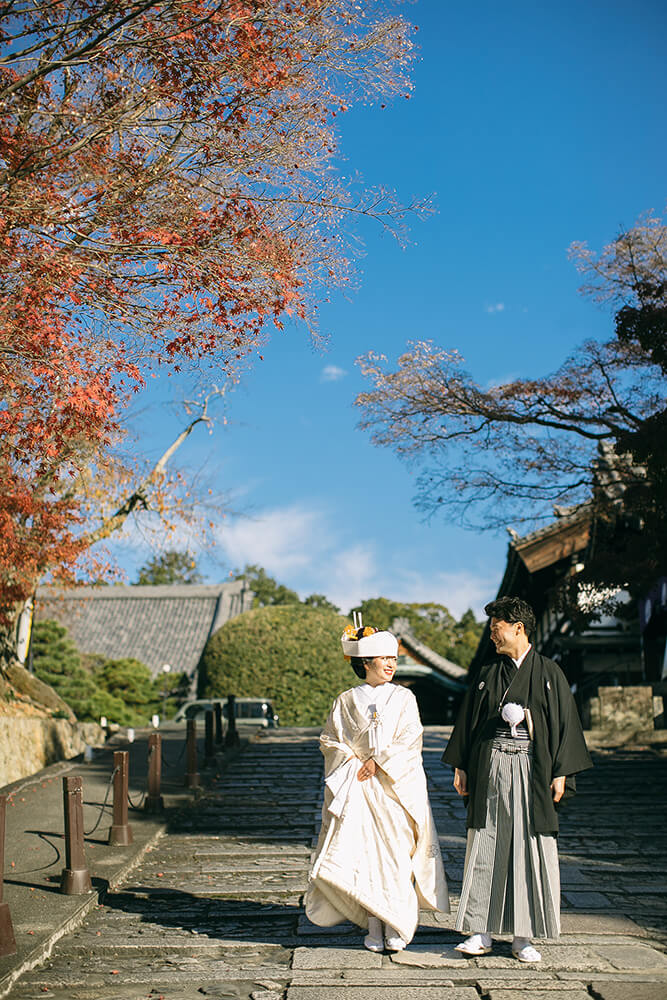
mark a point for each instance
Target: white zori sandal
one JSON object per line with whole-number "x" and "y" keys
{"x": 476, "y": 944}
{"x": 373, "y": 940}
{"x": 393, "y": 940}
{"x": 523, "y": 950}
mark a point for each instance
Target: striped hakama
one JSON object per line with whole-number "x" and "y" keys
{"x": 511, "y": 880}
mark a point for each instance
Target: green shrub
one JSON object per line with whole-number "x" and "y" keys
{"x": 131, "y": 681}
{"x": 290, "y": 654}
{"x": 123, "y": 690}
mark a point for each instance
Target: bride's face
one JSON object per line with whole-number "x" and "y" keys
{"x": 380, "y": 670}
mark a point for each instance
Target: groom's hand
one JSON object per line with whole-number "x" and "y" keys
{"x": 460, "y": 781}
{"x": 558, "y": 788}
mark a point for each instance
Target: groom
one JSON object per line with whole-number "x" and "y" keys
{"x": 515, "y": 748}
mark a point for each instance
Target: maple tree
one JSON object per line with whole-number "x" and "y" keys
{"x": 591, "y": 434}
{"x": 166, "y": 195}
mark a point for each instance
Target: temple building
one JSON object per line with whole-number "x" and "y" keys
{"x": 437, "y": 683}
{"x": 158, "y": 625}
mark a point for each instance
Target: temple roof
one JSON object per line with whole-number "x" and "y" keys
{"x": 156, "y": 625}
{"x": 424, "y": 654}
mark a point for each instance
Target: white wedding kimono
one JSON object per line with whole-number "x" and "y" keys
{"x": 378, "y": 849}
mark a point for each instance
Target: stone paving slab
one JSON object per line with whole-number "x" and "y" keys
{"x": 335, "y": 958}
{"x": 554, "y": 957}
{"x": 382, "y": 993}
{"x": 431, "y": 956}
{"x": 619, "y": 991}
{"x": 629, "y": 978}
{"x": 627, "y": 957}
{"x": 385, "y": 977}
{"x": 532, "y": 994}
{"x": 520, "y": 987}
{"x": 587, "y": 900}
{"x": 208, "y": 991}
{"x": 600, "y": 923}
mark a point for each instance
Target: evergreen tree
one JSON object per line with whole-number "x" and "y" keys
{"x": 170, "y": 567}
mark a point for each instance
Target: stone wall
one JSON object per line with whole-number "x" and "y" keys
{"x": 29, "y": 744}
{"x": 623, "y": 709}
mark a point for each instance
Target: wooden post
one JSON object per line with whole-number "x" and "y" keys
{"x": 120, "y": 834}
{"x": 209, "y": 752}
{"x": 231, "y": 736}
{"x": 217, "y": 706}
{"x": 7, "y": 939}
{"x": 191, "y": 773}
{"x": 154, "y": 801}
{"x": 75, "y": 878}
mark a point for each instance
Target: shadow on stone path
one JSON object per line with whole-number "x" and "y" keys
{"x": 214, "y": 910}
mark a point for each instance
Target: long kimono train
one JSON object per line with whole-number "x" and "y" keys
{"x": 378, "y": 849}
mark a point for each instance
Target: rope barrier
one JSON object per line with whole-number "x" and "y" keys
{"x": 89, "y": 833}
{"x": 170, "y": 764}
{"x": 138, "y": 808}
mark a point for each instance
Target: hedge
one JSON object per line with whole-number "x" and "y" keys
{"x": 289, "y": 654}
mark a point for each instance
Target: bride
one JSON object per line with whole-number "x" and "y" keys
{"x": 378, "y": 858}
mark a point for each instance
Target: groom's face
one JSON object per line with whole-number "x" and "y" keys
{"x": 505, "y": 635}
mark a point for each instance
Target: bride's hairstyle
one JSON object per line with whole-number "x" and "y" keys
{"x": 357, "y": 664}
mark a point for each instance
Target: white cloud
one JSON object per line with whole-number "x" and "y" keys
{"x": 332, "y": 373}
{"x": 303, "y": 548}
{"x": 284, "y": 541}
{"x": 306, "y": 549}
{"x": 497, "y": 307}
{"x": 352, "y": 576}
{"x": 458, "y": 591}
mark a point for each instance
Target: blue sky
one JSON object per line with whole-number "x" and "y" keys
{"x": 532, "y": 125}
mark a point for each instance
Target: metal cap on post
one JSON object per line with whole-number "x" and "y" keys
{"x": 7, "y": 939}
{"x": 209, "y": 751}
{"x": 232, "y": 735}
{"x": 120, "y": 834}
{"x": 75, "y": 878}
{"x": 191, "y": 773}
{"x": 154, "y": 801}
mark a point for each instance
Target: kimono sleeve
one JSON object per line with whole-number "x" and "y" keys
{"x": 333, "y": 742}
{"x": 569, "y": 753}
{"x": 457, "y": 751}
{"x": 397, "y": 760}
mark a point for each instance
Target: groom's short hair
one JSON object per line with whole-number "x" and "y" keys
{"x": 512, "y": 610}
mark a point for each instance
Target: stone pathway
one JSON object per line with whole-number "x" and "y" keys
{"x": 214, "y": 911}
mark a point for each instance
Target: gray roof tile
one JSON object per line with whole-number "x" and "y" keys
{"x": 157, "y": 625}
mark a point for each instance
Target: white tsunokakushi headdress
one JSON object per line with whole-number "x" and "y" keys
{"x": 358, "y": 640}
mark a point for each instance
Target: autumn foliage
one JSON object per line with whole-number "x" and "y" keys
{"x": 165, "y": 194}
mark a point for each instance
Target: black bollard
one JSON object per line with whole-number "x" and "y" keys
{"x": 7, "y": 939}
{"x": 120, "y": 834}
{"x": 232, "y": 735}
{"x": 217, "y": 707}
{"x": 209, "y": 746}
{"x": 191, "y": 773}
{"x": 154, "y": 801}
{"x": 75, "y": 878}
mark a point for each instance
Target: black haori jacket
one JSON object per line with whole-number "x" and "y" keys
{"x": 558, "y": 743}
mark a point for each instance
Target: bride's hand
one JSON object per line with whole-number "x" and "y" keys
{"x": 367, "y": 770}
